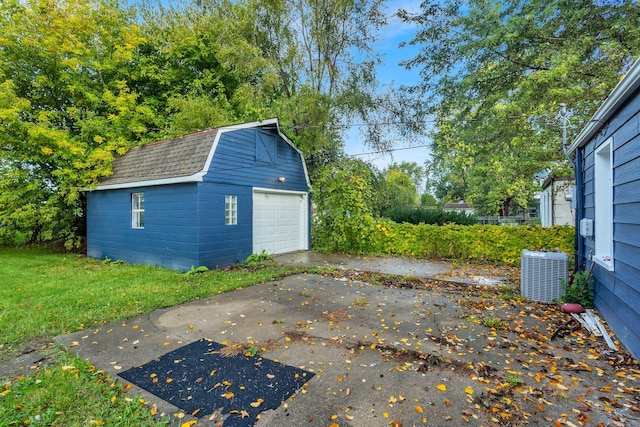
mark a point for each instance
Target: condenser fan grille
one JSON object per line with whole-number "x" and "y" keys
{"x": 540, "y": 274}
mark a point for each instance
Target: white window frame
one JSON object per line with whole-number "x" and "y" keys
{"x": 231, "y": 209}
{"x": 137, "y": 210}
{"x": 603, "y": 201}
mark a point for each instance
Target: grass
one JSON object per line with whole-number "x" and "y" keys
{"x": 44, "y": 294}
{"x": 51, "y": 397}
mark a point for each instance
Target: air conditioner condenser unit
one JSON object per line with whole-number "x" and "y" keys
{"x": 540, "y": 274}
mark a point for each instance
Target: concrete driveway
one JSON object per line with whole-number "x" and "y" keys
{"x": 388, "y": 356}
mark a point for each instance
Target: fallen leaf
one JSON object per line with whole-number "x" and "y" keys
{"x": 468, "y": 390}
{"x": 257, "y": 403}
{"x": 419, "y": 409}
{"x": 441, "y": 387}
{"x": 189, "y": 423}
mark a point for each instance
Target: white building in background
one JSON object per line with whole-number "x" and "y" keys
{"x": 556, "y": 204}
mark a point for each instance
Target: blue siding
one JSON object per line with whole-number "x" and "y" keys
{"x": 170, "y": 234}
{"x": 618, "y": 292}
{"x": 234, "y": 162}
{"x": 221, "y": 244}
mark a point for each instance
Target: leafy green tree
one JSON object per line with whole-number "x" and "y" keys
{"x": 201, "y": 65}
{"x": 66, "y": 109}
{"x": 399, "y": 189}
{"x": 345, "y": 199}
{"x": 495, "y": 74}
{"x": 414, "y": 171}
{"x": 427, "y": 199}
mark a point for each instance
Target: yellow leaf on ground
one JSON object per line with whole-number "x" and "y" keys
{"x": 419, "y": 409}
{"x": 257, "y": 403}
{"x": 441, "y": 387}
{"x": 468, "y": 390}
{"x": 189, "y": 423}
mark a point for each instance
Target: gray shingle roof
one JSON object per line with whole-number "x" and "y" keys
{"x": 173, "y": 158}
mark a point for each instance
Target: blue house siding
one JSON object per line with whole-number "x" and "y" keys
{"x": 222, "y": 244}
{"x": 618, "y": 292}
{"x": 170, "y": 233}
{"x": 235, "y": 162}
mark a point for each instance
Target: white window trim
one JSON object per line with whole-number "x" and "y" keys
{"x": 137, "y": 210}
{"x": 230, "y": 209}
{"x": 603, "y": 201}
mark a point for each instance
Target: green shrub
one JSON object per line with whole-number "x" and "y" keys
{"x": 579, "y": 289}
{"x": 429, "y": 216}
{"x": 467, "y": 243}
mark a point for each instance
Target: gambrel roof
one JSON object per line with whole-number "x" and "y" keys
{"x": 182, "y": 159}
{"x": 183, "y": 156}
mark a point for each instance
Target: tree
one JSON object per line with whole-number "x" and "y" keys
{"x": 428, "y": 200}
{"x": 401, "y": 182}
{"x": 414, "y": 171}
{"x": 345, "y": 198}
{"x": 66, "y": 109}
{"x": 308, "y": 62}
{"x": 495, "y": 74}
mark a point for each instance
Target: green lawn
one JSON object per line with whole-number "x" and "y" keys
{"x": 44, "y": 294}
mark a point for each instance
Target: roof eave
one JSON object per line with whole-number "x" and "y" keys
{"x": 197, "y": 177}
{"x": 623, "y": 90}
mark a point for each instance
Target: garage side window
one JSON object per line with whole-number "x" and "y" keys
{"x": 137, "y": 210}
{"x": 230, "y": 209}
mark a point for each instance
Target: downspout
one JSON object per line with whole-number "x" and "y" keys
{"x": 578, "y": 251}
{"x": 579, "y": 240}
{"x": 553, "y": 201}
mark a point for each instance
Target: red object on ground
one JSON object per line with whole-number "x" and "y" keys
{"x": 572, "y": 307}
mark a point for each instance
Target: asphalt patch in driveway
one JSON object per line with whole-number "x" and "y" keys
{"x": 199, "y": 380}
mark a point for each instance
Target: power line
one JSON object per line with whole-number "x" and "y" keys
{"x": 389, "y": 150}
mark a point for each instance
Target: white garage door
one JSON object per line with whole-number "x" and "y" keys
{"x": 280, "y": 222}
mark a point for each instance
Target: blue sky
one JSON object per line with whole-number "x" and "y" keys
{"x": 390, "y": 73}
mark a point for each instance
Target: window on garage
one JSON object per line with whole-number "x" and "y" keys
{"x": 230, "y": 209}
{"x": 137, "y": 210}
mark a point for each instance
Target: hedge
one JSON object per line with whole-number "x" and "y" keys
{"x": 429, "y": 216}
{"x": 495, "y": 244}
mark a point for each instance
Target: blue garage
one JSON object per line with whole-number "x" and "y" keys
{"x": 210, "y": 198}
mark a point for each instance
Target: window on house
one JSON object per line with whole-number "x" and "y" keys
{"x": 230, "y": 210}
{"x": 603, "y": 201}
{"x": 137, "y": 210}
